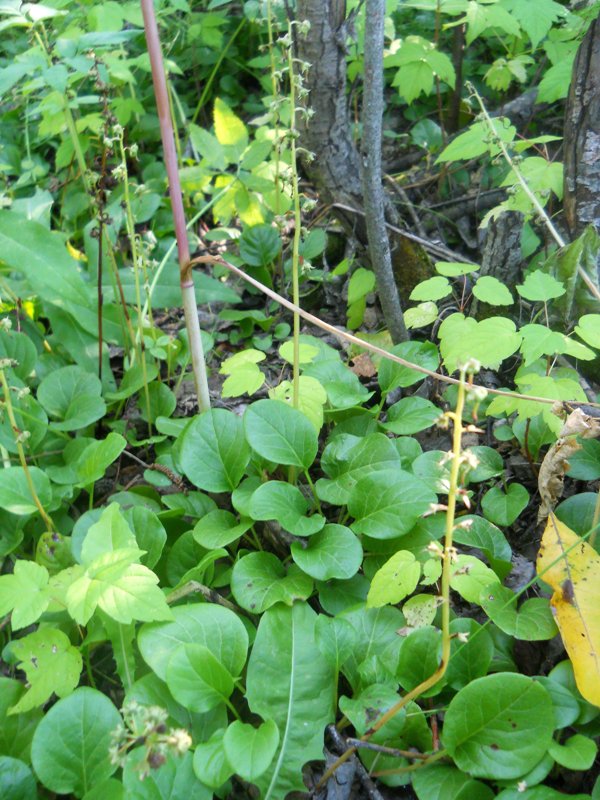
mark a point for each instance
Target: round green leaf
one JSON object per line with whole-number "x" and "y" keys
{"x": 250, "y": 750}
{"x": 16, "y": 780}
{"x": 197, "y": 679}
{"x": 589, "y": 329}
{"x": 216, "y": 627}
{"x": 70, "y": 746}
{"x": 15, "y": 496}
{"x": 73, "y": 397}
{"x": 219, "y": 528}
{"x": 259, "y": 580}
{"x": 538, "y": 286}
{"x": 420, "y": 315}
{"x": 287, "y": 505}
{"x": 419, "y": 658}
{"x": 20, "y": 348}
{"x": 578, "y": 752}
{"x": 532, "y": 621}
{"x": 490, "y": 290}
{"x": 503, "y": 509}
{"x": 471, "y": 659}
{"x": 469, "y": 576}
{"x": 411, "y": 415}
{"x": 432, "y": 289}
{"x": 211, "y": 765}
{"x": 490, "y": 464}
{"x": 392, "y": 375}
{"x": 213, "y": 453}
{"x": 280, "y": 433}
{"x": 387, "y": 504}
{"x": 499, "y": 726}
{"x": 396, "y": 579}
{"x": 584, "y": 464}
{"x": 334, "y": 552}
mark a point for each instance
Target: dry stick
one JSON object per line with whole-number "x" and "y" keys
{"x": 341, "y": 334}
{"x": 168, "y": 140}
{"x": 379, "y": 246}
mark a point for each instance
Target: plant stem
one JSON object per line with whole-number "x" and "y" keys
{"x": 185, "y": 269}
{"x": 15, "y": 429}
{"x": 297, "y": 227}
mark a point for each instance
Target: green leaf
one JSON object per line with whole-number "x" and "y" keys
{"x": 532, "y": 621}
{"x": 25, "y": 593}
{"x": 16, "y": 780}
{"x": 420, "y": 316}
{"x": 499, "y": 727}
{"x": 479, "y": 533}
{"x": 259, "y": 245}
{"x": 134, "y": 380}
{"x": 213, "y": 453}
{"x": 173, "y": 779}
{"x": 211, "y": 765}
{"x": 250, "y": 750}
{"x": 280, "y": 433}
{"x": 334, "y": 552}
{"x": 121, "y": 588}
{"x": 345, "y": 466}
{"x": 540, "y": 287}
{"x": 535, "y": 17}
{"x": 490, "y": 464}
{"x": 244, "y": 375}
{"x": 73, "y": 397}
{"x": 395, "y": 580}
{"x": 16, "y": 732}
{"x": 311, "y": 397}
{"x": 471, "y": 659}
{"x": 411, "y": 415}
{"x": 387, "y": 504}
{"x": 419, "y": 657}
{"x": 259, "y": 580}
{"x": 432, "y": 289}
{"x": 391, "y": 375}
{"x": 490, "y": 290}
{"x": 588, "y": 329}
{"x": 369, "y": 706}
{"x": 110, "y": 533}
{"x": 284, "y": 503}
{"x": 70, "y": 750}
{"x": 51, "y": 665}
{"x": 577, "y": 753}
{"x": 286, "y": 683}
{"x": 97, "y": 457}
{"x": 556, "y": 80}
{"x": 476, "y": 141}
{"x": 504, "y": 508}
{"x": 15, "y": 496}
{"x": 360, "y": 284}
{"x": 489, "y": 341}
{"x": 448, "y": 783}
{"x": 18, "y": 347}
{"x": 480, "y": 17}
{"x": 469, "y": 576}
{"x": 219, "y": 528}
{"x": 216, "y": 627}
{"x": 197, "y": 679}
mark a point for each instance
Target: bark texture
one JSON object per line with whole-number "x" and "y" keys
{"x": 582, "y": 137}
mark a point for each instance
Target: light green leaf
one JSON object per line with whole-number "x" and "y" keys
{"x": 70, "y": 750}
{"x": 535, "y": 16}
{"x": 360, "y": 284}
{"x": 432, "y": 289}
{"x": 311, "y": 398}
{"x": 453, "y": 269}
{"x": 334, "y": 552}
{"x": 216, "y": 627}
{"x": 51, "y": 665}
{"x": 489, "y": 341}
{"x": 97, "y": 457}
{"x": 286, "y": 683}
{"x": 306, "y": 353}
{"x": 197, "y": 679}
{"x": 173, "y": 779}
{"x": 480, "y": 17}
{"x": 121, "y": 588}
{"x": 499, "y": 727}
{"x": 280, "y": 433}
{"x": 213, "y": 453}
{"x": 244, "y": 375}
{"x": 391, "y": 375}
{"x": 538, "y": 340}
{"x": 24, "y": 593}
{"x": 411, "y": 415}
{"x": 15, "y": 495}
{"x": 396, "y": 579}
{"x": 469, "y": 576}
{"x": 110, "y": 533}
{"x": 490, "y": 290}
{"x": 532, "y": 621}
{"x": 420, "y": 316}
{"x": 259, "y": 581}
{"x": 588, "y": 329}
{"x": 541, "y": 287}
{"x": 219, "y": 528}
{"x": 211, "y": 765}
{"x": 577, "y": 753}
{"x": 556, "y": 80}
{"x": 250, "y": 750}
{"x": 369, "y": 706}
{"x": 476, "y": 141}
{"x": 284, "y": 503}
{"x": 229, "y": 128}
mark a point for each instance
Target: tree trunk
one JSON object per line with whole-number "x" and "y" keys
{"x": 582, "y": 137}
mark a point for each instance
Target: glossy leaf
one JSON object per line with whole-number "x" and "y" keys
{"x": 259, "y": 581}
{"x": 280, "y": 434}
{"x": 250, "y": 750}
{"x": 333, "y": 552}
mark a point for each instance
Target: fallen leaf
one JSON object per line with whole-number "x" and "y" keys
{"x": 572, "y": 568}
{"x": 363, "y": 366}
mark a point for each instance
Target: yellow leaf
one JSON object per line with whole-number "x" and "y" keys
{"x": 74, "y": 253}
{"x": 575, "y": 579}
{"x": 229, "y": 128}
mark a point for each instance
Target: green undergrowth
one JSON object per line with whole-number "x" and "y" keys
{"x": 187, "y": 601}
